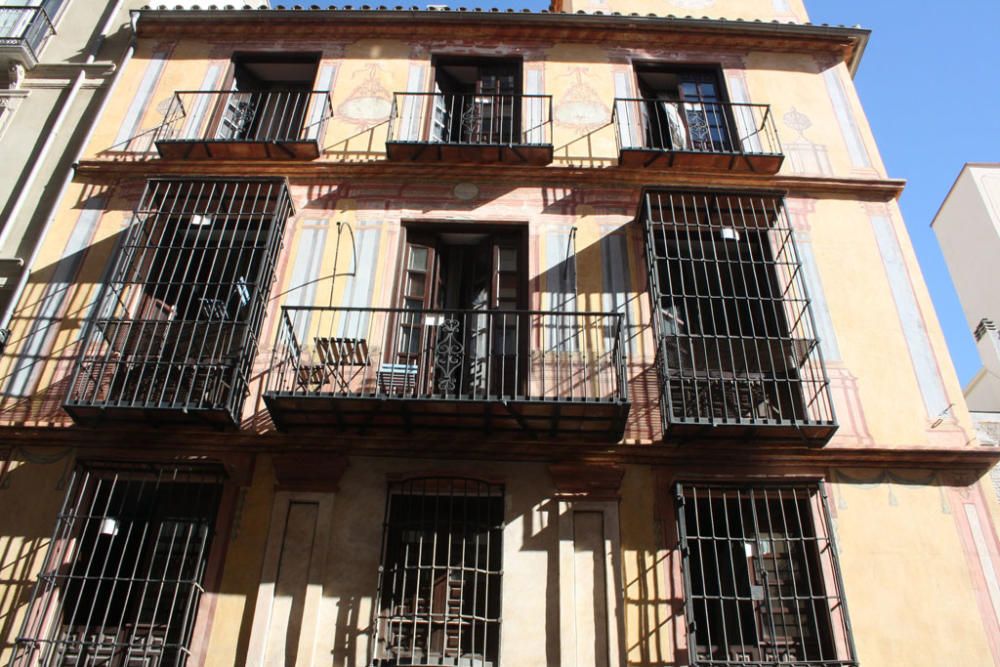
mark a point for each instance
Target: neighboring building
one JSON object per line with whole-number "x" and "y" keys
{"x": 968, "y": 229}
{"x": 424, "y": 337}
{"x": 58, "y": 59}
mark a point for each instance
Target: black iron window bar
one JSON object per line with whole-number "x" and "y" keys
{"x": 438, "y": 601}
{"x": 736, "y": 336}
{"x": 710, "y": 127}
{"x": 451, "y": 354}
{"x": 176, "y": 326}
{"x": 471, "y": 119}
{"x": 28, "y": 25}
{"x": 762, "y": 580}
{"x": 123, "y": 574}
{"x": 246, "y": 116}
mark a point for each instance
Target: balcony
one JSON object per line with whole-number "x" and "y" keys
{"x": 470, "y": 128}
{"x": 704, "y": 136}
{"x": 738, "y": 355}
{"x": 23, "y": 29}
{"x": 533, "y": 373}
{"x": 151, "y": 370}
{"x": 236, "y": 125}
{"x": 174, "y": 333}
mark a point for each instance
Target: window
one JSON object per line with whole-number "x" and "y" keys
{"x": 684, "y": 109}
{"x": 124, "y": 572}
{"x": 477, "y": 101}
{"x": 761, "y": 577}
{"x": 736, "y": 335}
{"x": 177, "y": 324}
{"x": 470, "y": 284}
{"x": 270, "y": 94}
{"x": 439, "y": 584}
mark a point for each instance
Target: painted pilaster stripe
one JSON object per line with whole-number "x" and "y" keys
{"x": 817, "y": 300}
{"x": 911, "y": 319}
{"x": 45, "y": 324}
{"x": 985, "y": 560}
{"x": 615, "y": 278}
{"x": 747, "y": 123}
{"x": 306, "y": 273}
{"x": 325, "y": 83}
{"x": 193, "y": 126}
{"x": 361, "y": 282}
{"x": 560, "y": 284}
{"x": 141, "y": 99}
{"x": 845, "y": 118}
{"x": 535, "y": 106}
{"x": 410, "y": 115}
{"x": 628, "y": 120}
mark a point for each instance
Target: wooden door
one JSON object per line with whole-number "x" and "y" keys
{"x": 411, "y": 330}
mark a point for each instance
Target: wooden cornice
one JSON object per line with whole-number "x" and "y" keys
{"x": 649, "y": 31}
{"x": 734, "y": 455}
{"x": 867, "y": 189}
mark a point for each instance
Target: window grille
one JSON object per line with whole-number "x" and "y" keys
{"x": 736, "y": 337}
{"x": 121, "y": 581}
{"x": 761, "y": 577}
{"x": 439, "y": 583}
{"x": 176, "y": 326}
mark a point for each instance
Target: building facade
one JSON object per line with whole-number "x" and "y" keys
{"x": 968, "y": 229}
{"x": 439, "y": 337}
{"x": 58, "y": 61}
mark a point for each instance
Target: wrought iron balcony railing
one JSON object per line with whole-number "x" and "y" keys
{"x": 161, "y": 366}
{"x": 273, "y": 124}
{"x": 174, "y": 330}
{"x": 738, "y": 352}
{"x": 22, "y": 30}
{"x": 721, "y": 135}
{"x": 470, "y": 128}
{"x": 514, "y": 370}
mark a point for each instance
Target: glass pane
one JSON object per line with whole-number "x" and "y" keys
{"x": 417, "y": 285}
{"x": 418, "y": 258}
{"x": 508, "y": 259}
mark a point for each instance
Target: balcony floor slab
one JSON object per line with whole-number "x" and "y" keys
{"x": 586, "y": 420}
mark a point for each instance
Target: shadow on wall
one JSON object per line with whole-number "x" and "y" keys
{"x": 580, "y": 152}
{"x": 653, "y": 596}
{"x": 30, "y": 495}
{"x": 36, "y": 381}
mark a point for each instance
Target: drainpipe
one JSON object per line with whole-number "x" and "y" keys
{"x": 22, "y": 282}
{"x": 105, "y": 29}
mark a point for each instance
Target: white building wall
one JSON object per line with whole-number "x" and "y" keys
{"x": 968, "y": 229}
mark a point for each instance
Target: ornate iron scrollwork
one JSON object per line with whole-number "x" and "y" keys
{"x": 449, "y": 355}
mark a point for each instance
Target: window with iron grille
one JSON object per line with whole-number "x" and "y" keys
{"x": 176, "y": 326}
{"x": 121, "y": 581}
{"x": 439, "y": 583}
{"x": 761, "y": 577}
{"x": 736, "y": 337}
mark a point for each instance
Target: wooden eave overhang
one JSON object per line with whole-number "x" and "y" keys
{"x": 500, "y": 26}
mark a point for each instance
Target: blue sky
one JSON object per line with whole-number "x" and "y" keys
{"x": 930, "y": 83}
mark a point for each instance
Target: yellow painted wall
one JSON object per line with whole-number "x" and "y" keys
{"x": 804, "y": 91}
{"x": 31, "y": 495}
{"x": 906, "y": 573}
